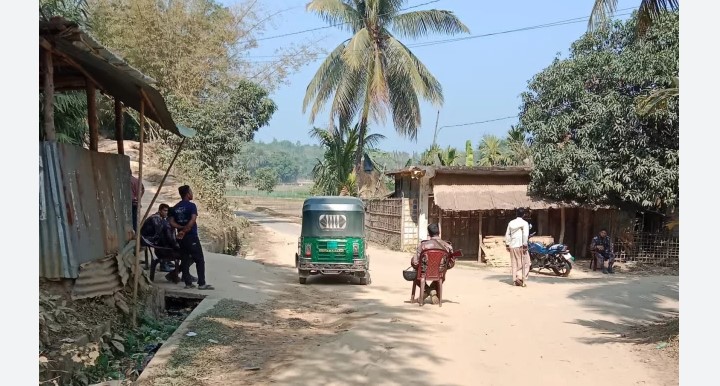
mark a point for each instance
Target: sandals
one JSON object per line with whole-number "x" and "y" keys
{"x": 206, "y": 287}
{"x": 434, "y": 298}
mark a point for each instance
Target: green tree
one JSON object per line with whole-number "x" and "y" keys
{"x": 429, "y": 157}
{"x": 70, "y": 117}
{"x": 658, "y": 99}
{"x": 73, "y": 10}
{"x": 492, "y": 151}
{"x": 589, "y": 142}
{"x": 334, "y": 171}
{"x": 448, "y": 157}
{"x": 285, "y": 165}
{"x": 266, "y": 179}
{"x": 224, "y": 125}
{"x": 373, "y": 72}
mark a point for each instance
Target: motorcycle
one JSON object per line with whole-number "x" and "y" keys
{"x": 556, "y": 257}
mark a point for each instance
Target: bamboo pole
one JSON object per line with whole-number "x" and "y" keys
{"x": 139, "y": 225}
{"x": 49, "y": 97}
{"x": 119, "y": 127}
{"x": 92, "y": 114}
{"x": 157, "y": 192}
{"x": 480, "y": 237}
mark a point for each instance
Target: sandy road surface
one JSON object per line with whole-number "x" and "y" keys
{"x": 261, "y": 327}
{"x": 556, "y": 331}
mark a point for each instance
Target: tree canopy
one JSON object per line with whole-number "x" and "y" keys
{"x": 589, "y": 143}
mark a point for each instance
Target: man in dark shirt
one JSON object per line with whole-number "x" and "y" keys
{"x": 157, "y": 231}
{"x": 184, "y": 219}
{"x": 602, "y": 250}
{"x": 433, "y": 242}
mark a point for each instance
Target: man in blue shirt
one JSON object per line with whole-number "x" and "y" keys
{"x": 602, "y": 250}
{"x": 184, "y": 219}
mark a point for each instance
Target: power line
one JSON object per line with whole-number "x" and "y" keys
{"x": 452, "y": 40}
{"x": 539, "y": 26}
{"x": 479, "y": 122}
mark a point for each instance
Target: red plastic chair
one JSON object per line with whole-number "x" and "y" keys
{"x": 434, "y": 272}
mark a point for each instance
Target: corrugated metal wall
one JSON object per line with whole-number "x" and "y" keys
{"x": 85, "y": 208}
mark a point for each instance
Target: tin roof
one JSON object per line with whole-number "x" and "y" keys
{"x": 86, "y": 58}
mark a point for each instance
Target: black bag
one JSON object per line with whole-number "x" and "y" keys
{"x": 410, "y": 274}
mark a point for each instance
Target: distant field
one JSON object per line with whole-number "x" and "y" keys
{"x": 281, "y": 191}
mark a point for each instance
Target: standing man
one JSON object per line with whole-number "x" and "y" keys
{"x": 138, "y": 189}
{"x": 602, "y": 249}
{"x": 184, "y": 218}
{"x": 516, "y": 242}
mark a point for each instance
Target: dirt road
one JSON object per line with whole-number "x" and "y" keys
{"x": 262, "y": 327}
{"x": 556, "y": 331}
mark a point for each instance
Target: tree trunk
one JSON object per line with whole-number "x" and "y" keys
{"x": 363, "y": 130}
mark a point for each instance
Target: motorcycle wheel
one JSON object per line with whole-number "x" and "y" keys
{"x": 564, "y": 269}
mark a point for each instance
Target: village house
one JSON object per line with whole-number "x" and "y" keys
{"x": 473, "y": 205}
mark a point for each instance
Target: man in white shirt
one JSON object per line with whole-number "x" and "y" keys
{"x": 516, "y": 242}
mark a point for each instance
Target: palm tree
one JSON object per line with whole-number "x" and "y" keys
{"x": 517, "y": 147}
{"x": 492, "y": 151}
{"x": 430, "y": 156}
{"x": 373, "y": 72}
{"x": 448, "y": 157}
{"x": 334, "y": 171}
{"x": 649, "y": 11}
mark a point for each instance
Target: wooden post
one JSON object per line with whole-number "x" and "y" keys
{"x": 562, "y": 225}
{"x": 440, "y": 221}
{"x": 119, "y": 127}
{"x": 49, "y": 97}
{"x": 139, "y": 224}
{"x": 542, "y": 222}
{"x": 480, "y": 238}
{"x": 92, "y": 114}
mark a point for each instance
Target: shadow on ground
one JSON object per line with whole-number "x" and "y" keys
{"x": 257, "y": 342}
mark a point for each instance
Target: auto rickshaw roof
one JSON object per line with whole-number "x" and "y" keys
{"x": 334, "y": 203}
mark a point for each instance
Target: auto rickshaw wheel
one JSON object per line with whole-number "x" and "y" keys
{"x": 365, "y": 280}
{"x": 302, "y": 280}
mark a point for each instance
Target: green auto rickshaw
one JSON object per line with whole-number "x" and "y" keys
{"x": 332, "y": 239}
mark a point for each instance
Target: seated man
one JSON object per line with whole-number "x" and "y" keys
{"x": 157, "y": 231}
{"x": 433, "y": 242}
{"x": 602, "y": 250}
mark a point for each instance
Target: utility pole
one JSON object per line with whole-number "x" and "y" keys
{"x": 437, "y": 120}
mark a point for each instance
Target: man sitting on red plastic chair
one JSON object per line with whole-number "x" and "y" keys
{"x": 433, "y": 242}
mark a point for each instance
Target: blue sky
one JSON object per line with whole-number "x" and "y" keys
{"x": 482, "y": 78}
